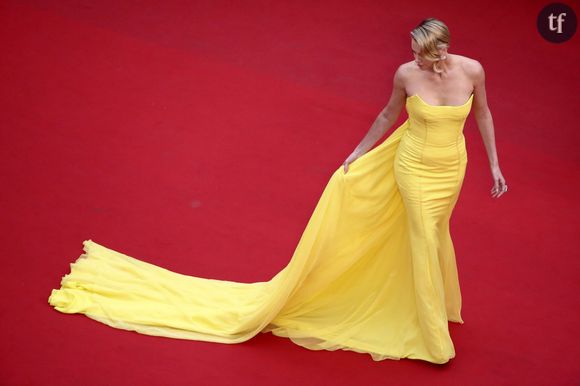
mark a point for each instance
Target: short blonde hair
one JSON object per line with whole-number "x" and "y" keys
{"x": 431, "y": 35}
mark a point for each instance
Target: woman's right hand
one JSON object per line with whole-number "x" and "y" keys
{"x": 351, "y": 158}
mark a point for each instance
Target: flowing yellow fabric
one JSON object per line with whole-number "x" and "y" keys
{"x": 374, "y": 271}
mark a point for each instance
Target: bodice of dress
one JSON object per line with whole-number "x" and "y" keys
{"x": 436, "y": 125}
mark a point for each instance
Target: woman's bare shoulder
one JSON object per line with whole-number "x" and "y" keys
{"x": 405, "y": 70}
{"x": 471, "y": 66}
{"x": 407, "y": 66}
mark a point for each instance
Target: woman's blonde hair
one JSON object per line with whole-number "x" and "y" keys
{"x": 431, "y": 35}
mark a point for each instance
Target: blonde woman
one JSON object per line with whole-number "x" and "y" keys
{"x": 438, "y": 89}
{"x": 374, "y": 271}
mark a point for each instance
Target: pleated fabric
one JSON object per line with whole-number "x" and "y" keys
{"x": 374, "y": 271}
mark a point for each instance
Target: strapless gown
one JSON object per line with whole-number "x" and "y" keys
{"x": 374, "y": 271}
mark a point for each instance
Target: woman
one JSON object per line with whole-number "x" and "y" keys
{"x": 374, "y": 271}
{"x": 430, "y": 162}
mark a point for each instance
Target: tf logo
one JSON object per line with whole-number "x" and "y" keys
{"x": 556, "y": 22}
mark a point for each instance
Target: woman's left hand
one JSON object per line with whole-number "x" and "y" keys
{"x": 499, "y": 184}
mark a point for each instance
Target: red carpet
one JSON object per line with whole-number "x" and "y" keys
{"x": 174, "y": 131}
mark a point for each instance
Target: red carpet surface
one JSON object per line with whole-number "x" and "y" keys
{"x": 173, "y": 131}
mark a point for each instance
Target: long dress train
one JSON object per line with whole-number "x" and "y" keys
{"x": 374, "y": 271}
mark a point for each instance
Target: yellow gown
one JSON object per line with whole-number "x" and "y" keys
{"x": 374, "y": 271}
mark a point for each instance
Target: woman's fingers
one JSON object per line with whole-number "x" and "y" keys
{"x": 496, "y": 191}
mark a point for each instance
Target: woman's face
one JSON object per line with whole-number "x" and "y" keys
{"x": 421, "y": 62}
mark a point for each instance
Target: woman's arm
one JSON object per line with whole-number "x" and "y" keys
{"x": 386, "y": 118}
{"x": 485, "y": 124}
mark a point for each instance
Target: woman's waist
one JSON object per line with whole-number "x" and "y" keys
{"x": 436, "y": 138}
{"x": 418, "y": 151}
